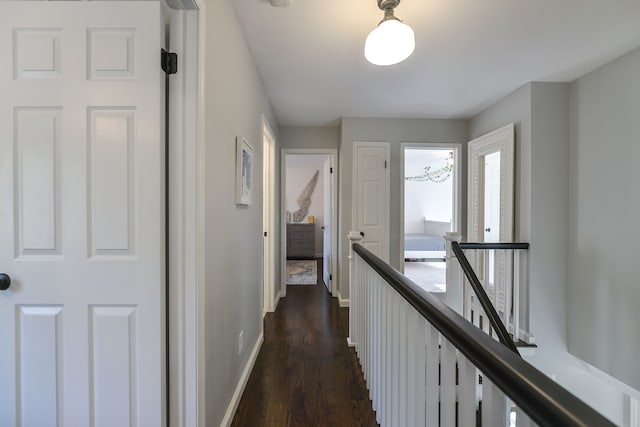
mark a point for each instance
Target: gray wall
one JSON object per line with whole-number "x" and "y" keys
{"x": 541, "y": 114}
{"x": 604, "y": 241}
{"x": 309, "y": 137}
{"x": 394, "y": 131}
{"x": 235, "y": 102}
{"x": 513, "y": 108}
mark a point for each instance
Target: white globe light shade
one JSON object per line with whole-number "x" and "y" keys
{"x": 389, "y": 43}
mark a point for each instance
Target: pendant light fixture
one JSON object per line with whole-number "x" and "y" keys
{"x": 392, "y": 41}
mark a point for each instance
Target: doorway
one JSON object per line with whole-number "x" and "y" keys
{"x": 430, "y": 209}
{"x": 309, "y": 216}
{"x": 491, "y": 207}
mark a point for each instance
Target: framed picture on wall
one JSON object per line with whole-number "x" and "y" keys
{"x": 244, "y": 171}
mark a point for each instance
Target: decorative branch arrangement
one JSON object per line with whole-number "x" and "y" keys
{"x": 304, "y": 200}
{"x": 434, "y": 175}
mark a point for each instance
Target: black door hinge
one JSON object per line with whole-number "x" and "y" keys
{"x": 265, "y": 234}
{"x": 330, "y": 170}
{"x": 169, "y": 62}
{"x": 385, "y": 164}
{"x": 330, "y": 277}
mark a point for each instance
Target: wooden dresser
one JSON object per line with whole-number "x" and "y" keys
{"x": 301, "y": 241}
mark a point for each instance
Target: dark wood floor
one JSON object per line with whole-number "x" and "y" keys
{"x": 305, "y": 374}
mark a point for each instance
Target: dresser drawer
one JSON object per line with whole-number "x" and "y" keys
{"x": 300, "y": 241}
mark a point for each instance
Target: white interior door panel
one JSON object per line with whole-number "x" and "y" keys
{"x": 82, "y": 214}
{"x": 371, "y": 196}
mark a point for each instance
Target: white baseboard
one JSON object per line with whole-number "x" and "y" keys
{"x": 275, "y": 305}
{"x": 350, "y": 343}
{"x": 242, "y": 383}
{"x": 344, "y": 302}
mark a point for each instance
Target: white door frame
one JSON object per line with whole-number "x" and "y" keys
{"x": 333, "y": 155}
{"x": 186, "y": 217}
{"x": 270, "y": 298}
{"x": 502, "y": 140}
{"x": 457, "y": 193}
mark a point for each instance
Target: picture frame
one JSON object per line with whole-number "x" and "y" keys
{"x": 244, "y": 171}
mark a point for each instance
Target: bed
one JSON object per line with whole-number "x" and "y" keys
{"x": 423, "y": 242}
{"x": 426, "y": 246}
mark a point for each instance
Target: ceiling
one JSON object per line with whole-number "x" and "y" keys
{"x": 469, "y": 53}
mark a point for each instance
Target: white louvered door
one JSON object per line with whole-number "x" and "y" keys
{"x": 82, "y": 214}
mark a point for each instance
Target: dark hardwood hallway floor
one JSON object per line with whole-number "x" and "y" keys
{"x": 305, "y": 374}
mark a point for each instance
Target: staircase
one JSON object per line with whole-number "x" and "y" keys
{"x": 426, "y": 365}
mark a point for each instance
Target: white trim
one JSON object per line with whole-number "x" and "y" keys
{"x": 277, "y": 301}
{"x": 343, "y": 302}
{"x": 268, "y": 254}
{"x": 186, "y": 220}
{"x": 177, "y": 231}
{"x": 457, "y": 180}
{"x": 197, "y": 410}
{"x": 634, "y": 412}
{"x": 614, "y": 382}
{"x": 242, "y": 383}
{"x": 501, "y": 140}
{"x": 333, "y": 155}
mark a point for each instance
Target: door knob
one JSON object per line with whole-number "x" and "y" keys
{"x": 5, "y": 282}
{"x": 362, "y": 233}
{"x": 488, "y": 230}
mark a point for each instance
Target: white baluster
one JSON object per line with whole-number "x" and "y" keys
{"x": 353, "y": 236}
{"x": 431, "y": 375}
{"x": 395, "y": 358}
{"x": 355, "y": 305}
{"x": 495, "y": 406}
{"x": 486, "y": 277}
{"x": 500, "y": 279}
{"x": 360, "y": 306}
{"x": 467, "y": 383}
{"x": 486, "y": 326}
{"x": 454, "y": 295}
{"x": 509, "y": 286}
{"x": 522, "y": 419}
{"x": 516, "y": 295}
{"x": 375, "y": 346}
{"x": 477, "y": 309}
{"x": 403, "y": 375}
{"x": 416, "y": 368}
{"x": 447, "y": 383}
{"x": 381, "y": 351}
{"x": 476, "y": 264}
{"x": 389, "y": 359}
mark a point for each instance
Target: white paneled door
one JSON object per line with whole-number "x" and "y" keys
{"x": 371, "y": 196}
{"x": 82, "y": 214}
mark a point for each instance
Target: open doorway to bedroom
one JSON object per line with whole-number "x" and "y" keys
{"x": 430, "y": 209}
{"x": 309, "y": 217}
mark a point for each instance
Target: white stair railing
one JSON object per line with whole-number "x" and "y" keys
{"x": 425, "y": 365}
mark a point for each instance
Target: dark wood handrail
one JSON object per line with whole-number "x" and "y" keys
{"x": 543, "y": 400}
{"x": 483, "y": 298}
{"x": 496, "y": 245}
